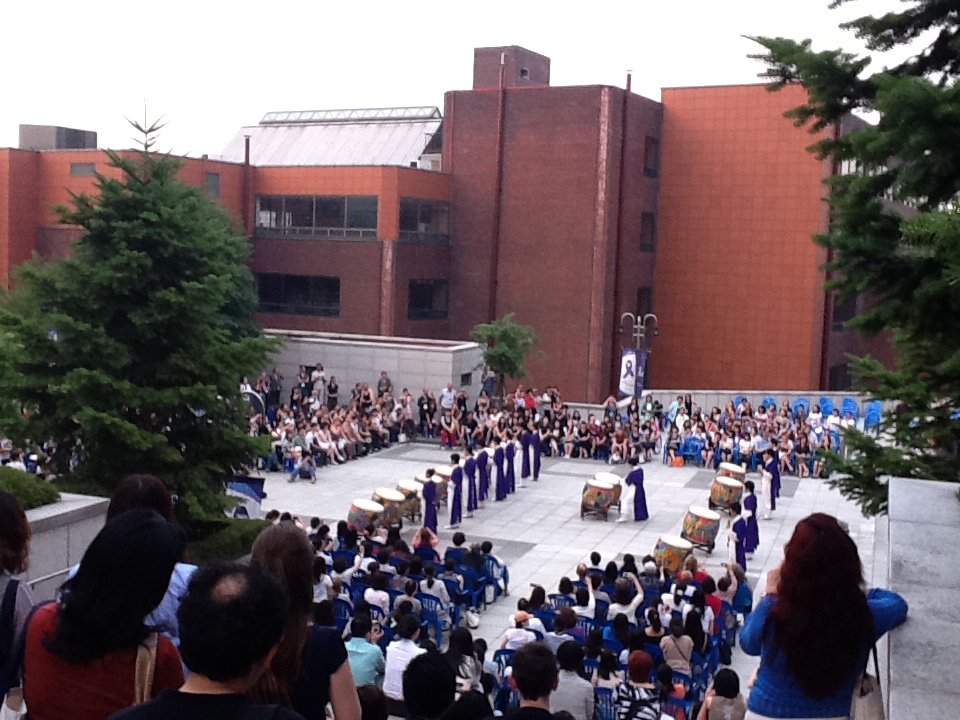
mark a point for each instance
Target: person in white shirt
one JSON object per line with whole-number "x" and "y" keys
{"x": 377, "y": 594}
{"x": 586, "y": 606}
{"x": 399, "y": 654}
{"x": 518, "y": 636}
{"x": 815, "y": 418}
{"x": 16, "y": 461}
{"x": 245, "y": 386}
{"x": 833, "y": 422}
{"x": 448, "y": 397}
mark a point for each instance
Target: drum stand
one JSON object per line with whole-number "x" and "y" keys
{"x": 707, "y": 548}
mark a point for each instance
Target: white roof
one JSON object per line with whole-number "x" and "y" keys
{"x": 382, "y": 136}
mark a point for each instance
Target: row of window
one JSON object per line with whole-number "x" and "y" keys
{"x": 319, "y": 296}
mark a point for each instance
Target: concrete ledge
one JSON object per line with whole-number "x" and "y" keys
{"x": 923, "y": 542}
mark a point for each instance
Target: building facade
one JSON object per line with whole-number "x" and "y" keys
{"x": 567, "y": 206}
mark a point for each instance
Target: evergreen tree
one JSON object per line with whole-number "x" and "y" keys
{"x": 894, "y": 235}
{"x": 507, "y": 344}
{"x": 128, "y": 355}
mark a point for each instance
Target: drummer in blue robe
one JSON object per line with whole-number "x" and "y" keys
{"x": 430, "y": 502}
{"x": 498, "y": 463}
{"x": 535, "y": 449}
{"x": 510, "y": 477}
{"x": 752, "y": 541}
{"x": 470, "y": 471}
{"x": 525, "y": 455}
{"x": 483, "y": 456}
{"x": 737, "y": 534}
{"x": 772, "y": 465}
{"x": 775, "y": 449}
{"x": 635, "y": 480}
{"x": 455, "y": 492}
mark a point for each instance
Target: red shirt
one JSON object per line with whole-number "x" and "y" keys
{"x": 55, "y": 689}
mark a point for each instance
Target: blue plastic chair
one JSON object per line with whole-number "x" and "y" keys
{"x": 473, "y": 585}
{"x": 503, "y": 660}
{"x": 546, "y": 616}
{"x": 826, "y": 406}
{"x": 495, "y": 572}
{"x": 655, "y": 652}
{"x": 739, "y": 400}
{"x": 613, "y": 645}
{"x": 454, "y": 552}
{"x": 801, "y": 402}
{"x": 386, "y": 639}
{"x": 432, "y": 613}
{"x": 850, "y": 405}
{"x": 342, "y": 613}
{"x": 587, "y": 624}
{"x": 427, "y": 554}
{"x": 348, "y": 555}
{"x": 691, "y": 449}
{"x": 605, "y": 708}
{"x": 768, "y": 401}
{"x": 591, "y": 666}
{"x": 377, "y": 615}
{"x": 560, "y": 601}
{"x": 458, "y": 598}
{"x": 872, "y": 415}
{"x": 600, "y": 615}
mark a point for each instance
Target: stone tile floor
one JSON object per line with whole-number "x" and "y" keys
{"x": 538, "y": 530}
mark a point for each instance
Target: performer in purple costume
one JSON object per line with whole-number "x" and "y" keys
{"x": 525, "y": 459}
{"x": 498, "y": 462}
{"x": 752, "y": 541}
{"x": 635, "y": 478}
{"x": 456, "y": 492}
{"x": 535, "y": 447}
{"x": 430, "y": 502}
{"x": 510, "y": 478}
{"x": 775, "y": 448}
{"x": 483, "y": 455}
{"x": 738, "y": 533}
{"x": 771, "y": 465}
{"x": 470, "y": 470}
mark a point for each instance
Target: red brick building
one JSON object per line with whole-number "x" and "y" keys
{"x": 567, "y": 206}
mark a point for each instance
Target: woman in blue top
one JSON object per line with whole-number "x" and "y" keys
{"x": 815, "y": 628}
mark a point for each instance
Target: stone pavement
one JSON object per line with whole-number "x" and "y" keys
{"x": 538, "y": 530}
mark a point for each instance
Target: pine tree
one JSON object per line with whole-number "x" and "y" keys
{"x": 128, "y": 355}
{"x": 894, "y": 235}
{"x": 507, "y": 344}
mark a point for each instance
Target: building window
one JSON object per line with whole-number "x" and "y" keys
{"x": 428, "y": 300}
{"x": 651, "y": 157}
{"x": 352, "y": 216}
{"x": 466, "y": 379}
{"x": 840, "y": 378}
{"x": 525, "y": 73}
{"x": 843, "y": 312}
{"x": 212, "y": 185}
{"x": 316, "y": 295}
{"x": 83, "y": 169}
{"x": 648, "y": 232}
{"x": 424, "y": 220}
{"x": 644, "y": 301}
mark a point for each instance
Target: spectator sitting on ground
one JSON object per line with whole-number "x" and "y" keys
{"x": 535, "y": 678}
{"x": 224, "y": 664}
{"x": 429, "y": 686}
{"x": 365, "y": 657}
{"x": 572, "y": 692}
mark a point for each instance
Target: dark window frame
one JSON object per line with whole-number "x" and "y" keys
{"x": 282, "y": 224}
{"x": 211, "y": 184}
{"x": 437, "y": 212}
{"x": 308, "y": 295}
{"x": 438, "y": 307}
{"x": 651, "y": 156}
{"x": 648, "y": 232}
{"x": 83, "y": 169}
{"x": 644, "y": 300}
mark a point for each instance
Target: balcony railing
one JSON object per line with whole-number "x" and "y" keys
{"x": 314, "y": 233}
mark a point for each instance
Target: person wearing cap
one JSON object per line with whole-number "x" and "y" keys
{"x": 518, "y": 636}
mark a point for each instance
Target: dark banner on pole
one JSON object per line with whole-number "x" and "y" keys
{"x": 641, "y": 371}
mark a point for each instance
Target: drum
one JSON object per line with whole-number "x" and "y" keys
{"x": 392, "y": 501}
{"x": 364, "y": 512}
{"x": 700, "y": 527}
{"x": 596, "y": 498}
{"x": 441, "y": 479}
{"x": 737, "y": 472}
{"x": 724, "y": 492}
{"x": 670, "y": 553}
{"x": 616, "y": 481}
{"x": 411, "y": 490}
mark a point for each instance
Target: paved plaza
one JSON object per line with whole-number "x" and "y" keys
{"x": 538, "y": 530}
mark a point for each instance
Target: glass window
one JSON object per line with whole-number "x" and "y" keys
{"x": 651, "y": 156}
{"x": 212, "y": 185}
{"x": 299, "y": 294}
{"x": 362, "y": 212}
{"x": 298, "y": 212}
{"x": 644, "y": 301}
{"x": 330, "y": 212}
{"x": 269, "y": 211}
{"x": 648, "y": 232}
{"x": 83, "y": 169}
{"x": 409, "y": 215}
{"x": 428, "y": 300}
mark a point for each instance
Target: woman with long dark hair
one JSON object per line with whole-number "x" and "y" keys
{"x": 81, "y": 654}
{"x": 14, "y": 559}
{"x": 815, "y": 627}
{"x": 310, "y": 668}
{"x": 462, "y": 658}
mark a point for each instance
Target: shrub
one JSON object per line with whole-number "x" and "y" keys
{"x": 30, "y": 490}
{"x": 231, "y": 542}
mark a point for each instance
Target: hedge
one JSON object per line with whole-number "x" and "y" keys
{"x": 30, "y": 490}
{"x": 229, "y": 543}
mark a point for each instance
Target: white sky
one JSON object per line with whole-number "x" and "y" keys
{"x": 210, "y": 66}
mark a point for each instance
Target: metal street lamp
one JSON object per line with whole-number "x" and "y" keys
{"x": 640, "y": 326}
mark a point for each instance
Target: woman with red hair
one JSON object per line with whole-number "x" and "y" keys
{"x": 816, "y": 626}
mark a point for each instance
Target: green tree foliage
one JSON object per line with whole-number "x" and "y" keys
{"x": 128, "y": 355}
{"x": 894, "y": 237}
{"x": 507, "y": 344}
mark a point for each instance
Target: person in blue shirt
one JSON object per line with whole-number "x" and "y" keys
{"x": 365, "y": 656}
{"x": 816, "y": 626}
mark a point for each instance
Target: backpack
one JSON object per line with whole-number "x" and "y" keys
{"x": 7, "y": 633}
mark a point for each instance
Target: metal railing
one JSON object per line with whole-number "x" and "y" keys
{"x": 312, "y": 233}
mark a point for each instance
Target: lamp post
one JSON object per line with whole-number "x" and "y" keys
{"x": 639, "y": 326}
